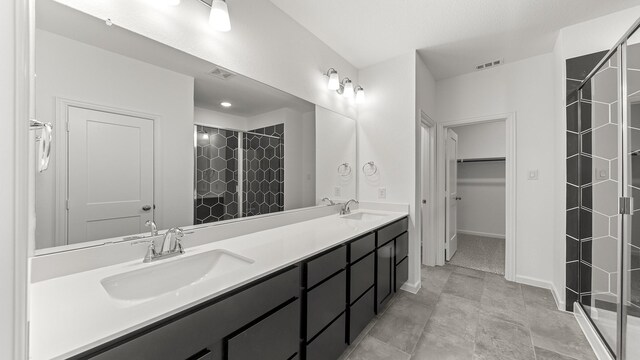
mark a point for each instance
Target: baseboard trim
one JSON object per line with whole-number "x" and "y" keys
{"x": 412, "y": 288}
{"x": 590, "y": 333}
{"x": 527, "y": 280}
{"x": 479, "y": 233}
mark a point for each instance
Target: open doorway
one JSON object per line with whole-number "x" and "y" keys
{"x": 476, "y": 211}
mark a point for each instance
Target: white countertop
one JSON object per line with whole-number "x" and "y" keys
{"x": 74, "y": 313}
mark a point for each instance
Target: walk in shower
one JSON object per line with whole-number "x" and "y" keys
{"x": 603, "y": 123}
{"x": 238, "y": 173}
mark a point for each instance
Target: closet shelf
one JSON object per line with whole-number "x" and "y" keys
{"x": 481, "y": 160}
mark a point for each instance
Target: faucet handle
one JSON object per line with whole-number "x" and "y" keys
{"x": 151, "y": 253}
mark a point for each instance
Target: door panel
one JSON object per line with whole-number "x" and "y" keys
{"x": 451, "y": 188}
{"x": 110, "y": 174}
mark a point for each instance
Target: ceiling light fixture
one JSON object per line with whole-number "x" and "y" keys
{"x": 334, "y": 80}
{"x": 225, "y": 104}
{"x": 219, "y": 16}
{"x": 360, "y": 96}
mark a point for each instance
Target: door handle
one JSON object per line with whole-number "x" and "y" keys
{"x": 458, "y": 198}
{"x": 424, "y": 201}
{"x": 146, "y": 208}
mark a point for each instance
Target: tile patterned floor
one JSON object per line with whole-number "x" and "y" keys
{"x": 480, "y": 253}
{"x": 467, "y": 314}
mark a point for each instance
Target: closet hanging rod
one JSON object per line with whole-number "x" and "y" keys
{"x": 481, "y": 160}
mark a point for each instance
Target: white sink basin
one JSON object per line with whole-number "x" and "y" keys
{"x": 364, "y": 216}
{"x": 172, "y": 274}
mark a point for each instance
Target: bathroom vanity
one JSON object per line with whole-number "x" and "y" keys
{"x": 307, "y": 297}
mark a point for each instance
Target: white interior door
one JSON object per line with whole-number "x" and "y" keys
{"x": 426, "y": 181}
{"x": 110, "y": 174}
{"x": 452, "y": 198}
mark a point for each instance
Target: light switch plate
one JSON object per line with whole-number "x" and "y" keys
{"x": 382, "y": 193}
{"x": 533, "y": 175}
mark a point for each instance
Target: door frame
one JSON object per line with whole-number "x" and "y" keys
{"x": 428, "y": 231}
{"x": 510, "y": 186}
{"x": 61, "y": 138}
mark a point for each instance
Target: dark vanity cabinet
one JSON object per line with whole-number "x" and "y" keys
{"x": 309, "y": 311}
{"x": 392, "y": 268}
{"x": 325, "y": 298}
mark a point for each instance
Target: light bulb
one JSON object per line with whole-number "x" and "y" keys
{"x": 334, "y": 80}
{"x": 225, "y": 104}
{"x": 348, "y": 88}
{"x": 360, "y": 96}
{"x": 219, "y": 17}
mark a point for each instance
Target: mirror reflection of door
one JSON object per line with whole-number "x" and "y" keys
{"x": 451, "y": 193}
{"x": 110, "y": 175}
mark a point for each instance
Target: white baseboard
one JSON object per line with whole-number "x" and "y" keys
{"x": 590, "y": 333}
{"x": 479, "y": 233}
{"x": 545, "y": 285}
{"x": 412, "y": 288}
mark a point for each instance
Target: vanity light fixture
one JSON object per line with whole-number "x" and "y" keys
{"x": 219, "y": 16}
{"x": 334, "y": 80}
{"x": 225, "y": 104}
{"x": 347, "y": 87}
{"x": 360, "y": 96}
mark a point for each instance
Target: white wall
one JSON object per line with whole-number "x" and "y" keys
{"x": 8, "y": 70}
{"x": 486, "y": 140}
{"x": 526, "y": 88}
{"x": 580, "y": 39}
{"x": 482, "y": 185}
{"x": 72, "y": 70}
{"x": 337, "y": 144}
{"x": 218, "y": 119}
{"x": 264, "y": 44}
{"x": 388, "y": 125}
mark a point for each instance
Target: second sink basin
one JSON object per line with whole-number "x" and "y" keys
{"x": 364, "y": 216}
{"x": 170, "y": 275}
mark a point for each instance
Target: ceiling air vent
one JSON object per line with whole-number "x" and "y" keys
{"x": 221, "y": 73}
{"x": 489, "y": 64}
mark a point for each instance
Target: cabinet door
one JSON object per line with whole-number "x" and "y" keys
{"x": 273, "y": 338}
{"x": 384, "y": 274}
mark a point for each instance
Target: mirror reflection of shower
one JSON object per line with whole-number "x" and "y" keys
{"x": 238, "y": 173}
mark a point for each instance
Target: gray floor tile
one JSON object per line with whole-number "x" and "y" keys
{"x": 465, "y": 286}
{"x": 424, "y": 295}
{"x": 535, "y": 297}
{"x": 468, "y": 271}
{"x": 544, "y": 354}
{"x": 559, "y": 332}
{"x": 503, "y": 299}
{"x": 434, "y": 346}
{"x": 497, "y": 339}
{"x": 455, "y": 318}
{"x": 434, "y": 278}
{"x": 402, "y": 324}
{"x": 371, "y": 348}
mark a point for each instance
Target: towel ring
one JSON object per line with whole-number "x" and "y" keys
{"x": 344, "y": 169}
{"x": 369, "y": 168}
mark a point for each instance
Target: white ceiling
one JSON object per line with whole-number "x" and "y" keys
{"x": 247, "y": 96}
{"x": 452, "y": 36}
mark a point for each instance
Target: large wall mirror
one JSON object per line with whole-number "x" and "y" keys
{"x": 144, "y": 132}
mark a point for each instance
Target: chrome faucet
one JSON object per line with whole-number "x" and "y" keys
{"x": 171, "y": 246}
{"x": 328, "y": 200}
{"x": 154, "y": 228}
{"x": 346, "y": 207}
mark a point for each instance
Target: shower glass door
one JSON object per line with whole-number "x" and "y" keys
{"x": 630, "y": 319}
{"x": 600, "y": 189}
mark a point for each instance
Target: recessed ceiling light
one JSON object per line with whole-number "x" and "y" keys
{"x": 225, "y": 104}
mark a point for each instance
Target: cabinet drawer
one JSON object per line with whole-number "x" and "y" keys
{"x": 362, "y": 276}
{"x": 203, "y": 355}
{"x": 325, "y": 303}
{"x": 402, "y": 247}
{"x": 361, "y": 247}
{"x": 198, "y": 328}
{"x": 326, "y": 265}
{"x": 330, "y": 344}
{"x": 273, "y": 338}
{"x": 392, "y": 231}
{"x": 402, "y": 273}
{"x": 360, "y": 313}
